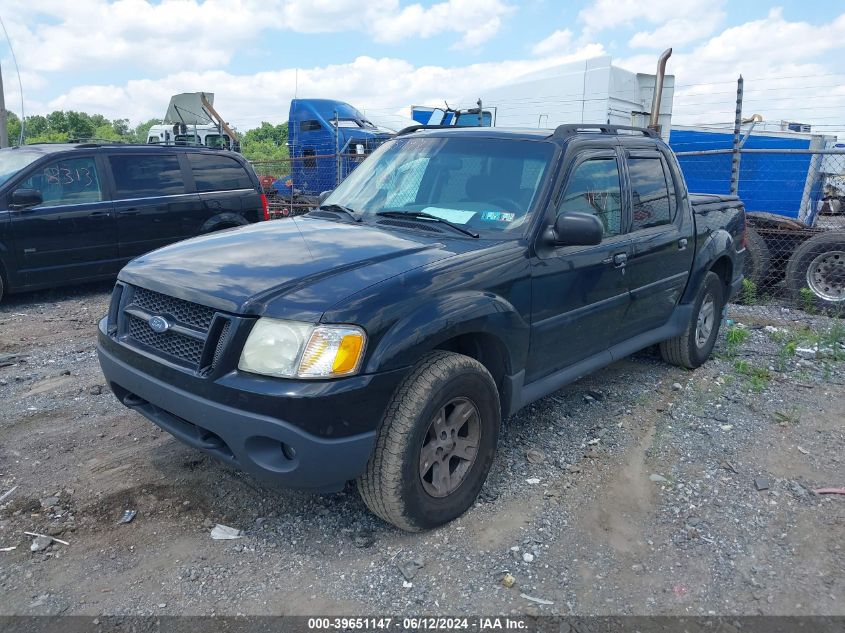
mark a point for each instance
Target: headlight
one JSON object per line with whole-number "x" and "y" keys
{"x": 291, "y": 349}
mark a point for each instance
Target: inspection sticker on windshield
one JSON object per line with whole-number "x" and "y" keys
{"x": 450, "y": 215}
{"x": 498, "y": 216}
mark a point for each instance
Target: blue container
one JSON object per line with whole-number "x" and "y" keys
{"x": 771, "y": 183}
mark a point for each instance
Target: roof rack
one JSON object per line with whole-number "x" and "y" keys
{"x": 414, "y": 128}
{"x": 571, "y": 129}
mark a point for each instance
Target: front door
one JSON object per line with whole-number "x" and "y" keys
{"x": 579, "y": 293}
{"x": 72, "y": 234}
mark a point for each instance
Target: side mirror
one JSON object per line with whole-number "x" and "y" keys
{"x": 23, "y": 198}
{"x": 323, "y": 195}
{"x": 575, "y": 228}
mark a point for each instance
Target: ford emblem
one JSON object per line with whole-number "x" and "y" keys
{"x": 159, "y": 324}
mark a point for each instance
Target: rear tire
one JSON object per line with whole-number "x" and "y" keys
{"x": 818, "y": 265}
{"x": 758, "y": 258}
{"x": 435, "y": 445}
{"x": 692, "y": 348}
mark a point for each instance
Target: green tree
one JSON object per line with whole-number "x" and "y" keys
{"x": 139, "y": 134}
{"x": 267, "y": 142}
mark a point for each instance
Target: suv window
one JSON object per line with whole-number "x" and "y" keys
{"x": 217, "y": 173}
{"x": 67, "y": 181}
{"x": 649, "y": 192}
{"x": 594, "y": 188}
{"x": 143, "y": 176}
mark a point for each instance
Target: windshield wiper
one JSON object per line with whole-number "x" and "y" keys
{"x": 342, "y": 209}
{"x": 422, "y": 215}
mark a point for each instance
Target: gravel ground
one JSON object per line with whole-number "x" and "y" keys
{"x": 643, "y": 489}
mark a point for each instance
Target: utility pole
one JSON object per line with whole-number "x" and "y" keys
{"x": 4, "y": 131}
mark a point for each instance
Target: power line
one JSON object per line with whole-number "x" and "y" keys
{"x": 20, "y": 84}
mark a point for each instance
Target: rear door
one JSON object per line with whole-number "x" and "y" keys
{"x": 661, "y": 246}
{"x": 153, "y": 201}
{"x": 72, "y": 234}
{"x": 579, "y": 293}
{"x": 227, "y": 191}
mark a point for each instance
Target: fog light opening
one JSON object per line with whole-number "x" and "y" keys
{"x": 288, "y": 451}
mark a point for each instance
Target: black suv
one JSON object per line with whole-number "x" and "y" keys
{"x": 79, "y": 211}
{"x": 454, "y": 277}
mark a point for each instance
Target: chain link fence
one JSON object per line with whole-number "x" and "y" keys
{"x": 795, "y": 201}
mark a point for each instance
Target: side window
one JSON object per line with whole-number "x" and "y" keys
{"x": 311, "y": 125}
{"x": 63, "y": 182}
{"x": 144, "y": 176}
{"x": 594, "y": 188}
{"x": 309, "y": 158}
{"x": 649, "y": 192}
{"x": 216, "y": 173}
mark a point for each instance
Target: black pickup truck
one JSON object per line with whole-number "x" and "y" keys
{"x": 454, "y": 277}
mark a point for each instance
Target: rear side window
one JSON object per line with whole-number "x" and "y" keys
{"x": 65, "y": 182}
{"x": 218, "y": 173}
{"x": 146, "y": 176}
{"x": 649, "y": 192}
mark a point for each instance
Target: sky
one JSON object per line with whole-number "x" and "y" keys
{"x": 124, "y": 58}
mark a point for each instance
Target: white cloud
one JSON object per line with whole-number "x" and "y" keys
{"x": 384, "y": 85}
{"x": 54, "y": 36}
{"x": 763, "y": 51}
{"x": 560, "y": 40}
{"x": 678, "y": 22}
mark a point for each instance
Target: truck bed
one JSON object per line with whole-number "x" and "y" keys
{"x": 704, "y": 202}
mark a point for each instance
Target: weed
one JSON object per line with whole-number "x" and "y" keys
{"x": 758, "y": 377}
{"x": 807, "y": 300}
{"x": 749, "y": 292}
{"x": 786, "y": 352}
{"x": 734, "y": 337}
{"x": 788, "y": 418}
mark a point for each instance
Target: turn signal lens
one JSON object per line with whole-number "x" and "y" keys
{"x": 332, "y": 351}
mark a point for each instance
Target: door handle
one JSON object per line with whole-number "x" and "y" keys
{"x": 96, "y": 214}
{"x": 682, "y": 243}
{"x": 132, "y": 211}
{"x": 620, "y": 259}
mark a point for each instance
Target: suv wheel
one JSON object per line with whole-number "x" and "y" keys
{"x": 435, "y": 445}
{"x": 692, "y": 348}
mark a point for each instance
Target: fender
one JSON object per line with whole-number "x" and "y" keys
{"x": 223, "y": 219}
{"x": 718, "y": 244}
{"x": 446, "y": 317}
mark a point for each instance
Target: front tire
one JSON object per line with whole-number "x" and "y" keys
{"x": 692, "y": 348}
{"x": 435, "y": 444}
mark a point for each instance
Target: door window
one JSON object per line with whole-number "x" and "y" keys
{"x": 218, "y": 173}
{"x": 147, "y": 176}
{"x": 64, "y": 182}
{"x": 649, "y": 192}
{"x": 594, "y": 188}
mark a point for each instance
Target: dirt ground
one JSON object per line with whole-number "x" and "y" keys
{"x": 643, "y": 489}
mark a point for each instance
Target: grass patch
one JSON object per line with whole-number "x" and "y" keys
{"x": 758, "y": 377}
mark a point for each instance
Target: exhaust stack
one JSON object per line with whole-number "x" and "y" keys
{"x": 658, "y": 90}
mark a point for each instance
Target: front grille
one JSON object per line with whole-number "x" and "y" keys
{"x": 185, "y": 348}
{"x": 187, "y": 313}
{"x": 197, "y": 338}
{"x": 221, "y": 344}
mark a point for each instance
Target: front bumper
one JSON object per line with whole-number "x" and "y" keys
{"x": 297, "y": 434}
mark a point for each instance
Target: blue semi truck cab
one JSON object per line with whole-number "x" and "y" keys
{"x": 327, "y": 139}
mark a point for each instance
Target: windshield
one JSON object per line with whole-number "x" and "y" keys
{"x": 13, "y": 160}
{"x": 488, "y": 185}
